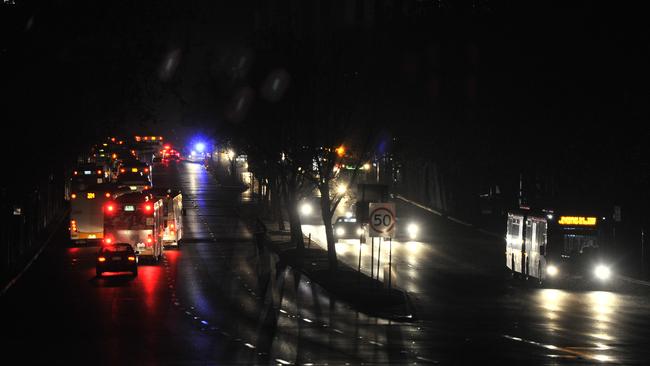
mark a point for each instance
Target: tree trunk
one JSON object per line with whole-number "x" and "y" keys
{"x": 327, "y": 221}
{"x": 276, "y": 202}
{"x": 294, "y": 218}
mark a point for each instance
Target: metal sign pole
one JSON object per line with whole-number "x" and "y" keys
{"x": 372, "y": 259}
{"x": 379, "y": 256}
{"x": 390, "y": 262}
{"x": 359, "y": 266}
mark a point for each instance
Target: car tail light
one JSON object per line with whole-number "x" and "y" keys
{"x": 122, "y": 170}
{"x": 131, "y": 258}
{"x": 110, "y": 208}
{"x": 147, "y": 208}
{"x": 108, "y": 240}
{"x": 99, "y": 172}
{"x": 73, "y": 196}
{"x": 102, "y": 259}
{"x": 73, "y": 225}
{"x": 75, "y": 172}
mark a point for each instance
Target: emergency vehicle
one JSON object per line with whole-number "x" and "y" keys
{"x": 138, "y": 219}
{"x": 173, "y": 213}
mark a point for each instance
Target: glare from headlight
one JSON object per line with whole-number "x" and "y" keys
{"x": 551, "y": 270}
{"x": 340, "y": 231}
{"x": 306, "y": 209}
{"x": 413, "y": 230}
{"x": 602, "y": 272}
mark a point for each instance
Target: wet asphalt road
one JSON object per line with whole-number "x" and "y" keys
{"x": 216, "y": 301}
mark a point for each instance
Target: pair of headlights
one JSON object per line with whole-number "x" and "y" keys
{"x": 601, "y": 272}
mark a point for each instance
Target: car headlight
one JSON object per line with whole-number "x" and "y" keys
{"x": 602, "y": 272}
{"x": 306, "y": 209}
{"x": 413, "y": 230}
{"x": 360, "y": 231}
{"x": 340, "y": 231}
{"x": 551, "y": 270}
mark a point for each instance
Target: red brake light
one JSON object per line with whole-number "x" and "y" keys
{"x": 146, "y": 170}
{"x": 149, "y": 239}
{"x": 122, "y": 170}
{"x": 108, "y": 240}
{"x": 147, "y": 207}
{"x": 110, "y": 208}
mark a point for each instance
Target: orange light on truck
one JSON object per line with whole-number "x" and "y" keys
{"x": 131, "y": 258}
{"x": 101, "y": 259}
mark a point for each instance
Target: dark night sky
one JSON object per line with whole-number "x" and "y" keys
{"x": 559, "y": 79}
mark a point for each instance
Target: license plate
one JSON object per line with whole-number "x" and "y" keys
{"x": 129, "y": 208}
{"x": 117, "y": 258}
{"x": 140, "y": 245}
{"x": 92, "y": 236}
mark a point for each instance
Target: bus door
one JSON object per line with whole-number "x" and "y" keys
{"x": 535, "y": 243}
{"x": 514, "y": 241}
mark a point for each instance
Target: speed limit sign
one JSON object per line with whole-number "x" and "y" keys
{"x": 382, "y": 219}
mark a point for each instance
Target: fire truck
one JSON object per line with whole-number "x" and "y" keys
{"x": 553, "y": 249}
{"x": 136, "y": 218}
{"x": 86, "y": 212}
{"x": 173, "y": 214}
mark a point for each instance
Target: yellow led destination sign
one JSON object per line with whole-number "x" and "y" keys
{"x": 577, "y": 221}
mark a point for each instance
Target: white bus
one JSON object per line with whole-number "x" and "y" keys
{"x": 135, "y": 218}
{"x": 553, "y": 248}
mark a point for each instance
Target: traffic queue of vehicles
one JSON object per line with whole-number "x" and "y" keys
{"x": 113, "y": 202}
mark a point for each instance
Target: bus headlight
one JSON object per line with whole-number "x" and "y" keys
{"x": 340, "y": 231}
{"x": 602, "y": 272}
{"x": 306, "y": 209}
{"x": 552, "y": 270}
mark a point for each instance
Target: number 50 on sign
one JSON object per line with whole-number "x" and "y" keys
{"x": 382, "y": 219}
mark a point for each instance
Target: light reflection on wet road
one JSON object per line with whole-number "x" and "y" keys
{"x": 214, "y": 300}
